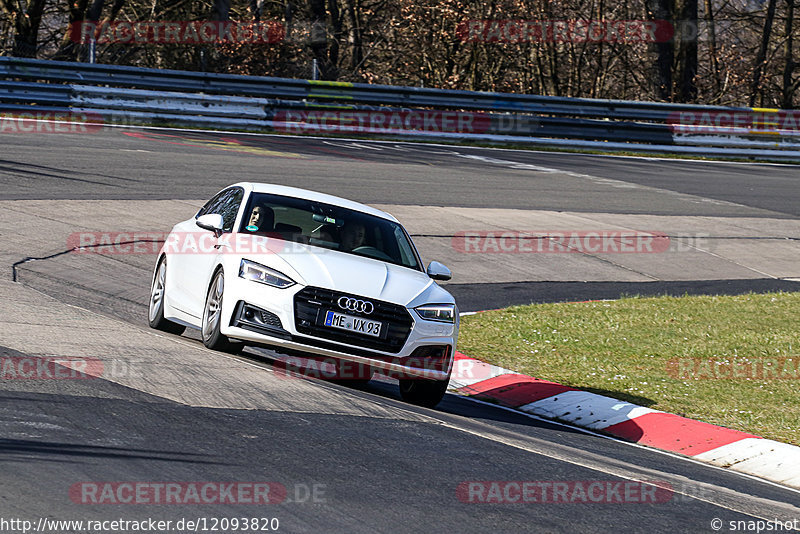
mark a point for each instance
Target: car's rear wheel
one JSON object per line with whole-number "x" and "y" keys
{"x": 422, "y": 392}
{"x": 212, "y": 318}
{"x": 156, "y": 310}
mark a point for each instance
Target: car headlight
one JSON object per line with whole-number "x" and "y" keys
{"x": 250, "y": 270}
{"x": 445, "y": 313}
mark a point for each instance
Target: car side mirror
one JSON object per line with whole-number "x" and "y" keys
{"x": 212, "y": 222}
{"x": 437, "y": 271}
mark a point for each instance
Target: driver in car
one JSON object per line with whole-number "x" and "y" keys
{"x": 262, "y": 219}
{"x": 353, "y": 235}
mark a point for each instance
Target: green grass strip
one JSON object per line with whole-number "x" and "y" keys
{"x": 733, "y": 361}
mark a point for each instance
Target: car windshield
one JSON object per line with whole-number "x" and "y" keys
{"x": 330, "y": 227}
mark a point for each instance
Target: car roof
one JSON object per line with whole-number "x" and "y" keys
{"x": 296, "y": 192}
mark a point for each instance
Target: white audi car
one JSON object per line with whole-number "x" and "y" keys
{"x": 304, "y": 272}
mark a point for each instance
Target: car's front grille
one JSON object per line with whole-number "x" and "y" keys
{"x": 311, "y": 304}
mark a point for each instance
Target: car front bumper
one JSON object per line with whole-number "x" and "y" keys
{"x": 268, "y": 316}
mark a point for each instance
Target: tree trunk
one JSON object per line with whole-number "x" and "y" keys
{"x": 288, "y": 19}
{"x": 755, "y": 86}
{"x": 256, "y": 9}
{"x": 687, "y": 51}
{"x": 664, "y": 51}
{"x": 336, "y": 29}
{"x": 787, "y": 92}
{"x": 716, "y": 83}
{"x": 221, "y": 10}
{"x": 354, "y": 34}
{"x": 95, "y": 10}
{"x": 26, "y": 25}
{"x": 319, "y": 39}
{"x": 69, "y": 49}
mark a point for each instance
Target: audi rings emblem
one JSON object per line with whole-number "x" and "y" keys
{"x": 351, "y": 304}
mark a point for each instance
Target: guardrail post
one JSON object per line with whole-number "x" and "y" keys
{"x": 92, "y": 49}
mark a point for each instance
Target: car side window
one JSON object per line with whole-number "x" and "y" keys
{"x": 228, "y": 207}
{"x": 211, "y": 205}
{"x": 226, "y": 204}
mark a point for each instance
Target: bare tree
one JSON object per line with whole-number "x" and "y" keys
{"x": 712, "y": 47}
{"x": 221, "y": 10}
{"x": 746, "y": 56}
{"x": 659, "y": 10}
{"x": 319, "y": 39}
{"x": 758, "y": 68}
{"x": 256, "y": 9}
{"x": 686, "y": 46}
{"x": 354, "y": 38}
{"x": 26, "y": 18}
{"x": 788, "y": 87}
{"x": 81, "y": 11}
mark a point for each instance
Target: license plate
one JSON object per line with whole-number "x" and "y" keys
{"x": 359, "y": 325}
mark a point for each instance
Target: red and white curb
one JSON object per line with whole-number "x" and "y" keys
{"x": 732, "y": 449}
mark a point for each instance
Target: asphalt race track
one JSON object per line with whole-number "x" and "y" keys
{"x": 163, "y": 409}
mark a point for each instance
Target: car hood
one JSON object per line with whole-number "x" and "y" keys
{"x": 314, "y": 266}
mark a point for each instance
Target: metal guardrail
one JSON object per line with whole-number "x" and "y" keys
{"x": 34, "y": 93}
{"x": 126, "y": 95}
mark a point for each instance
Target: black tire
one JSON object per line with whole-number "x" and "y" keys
{"x": 156, "y": 308}
{"x": 212, "y": 318}
{"x": 420, "y": 392}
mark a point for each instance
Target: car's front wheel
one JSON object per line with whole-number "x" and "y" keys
{"x": 212, "y": 318}
{"x": 422, "y": 392}
{"x": 157, "y": 294}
